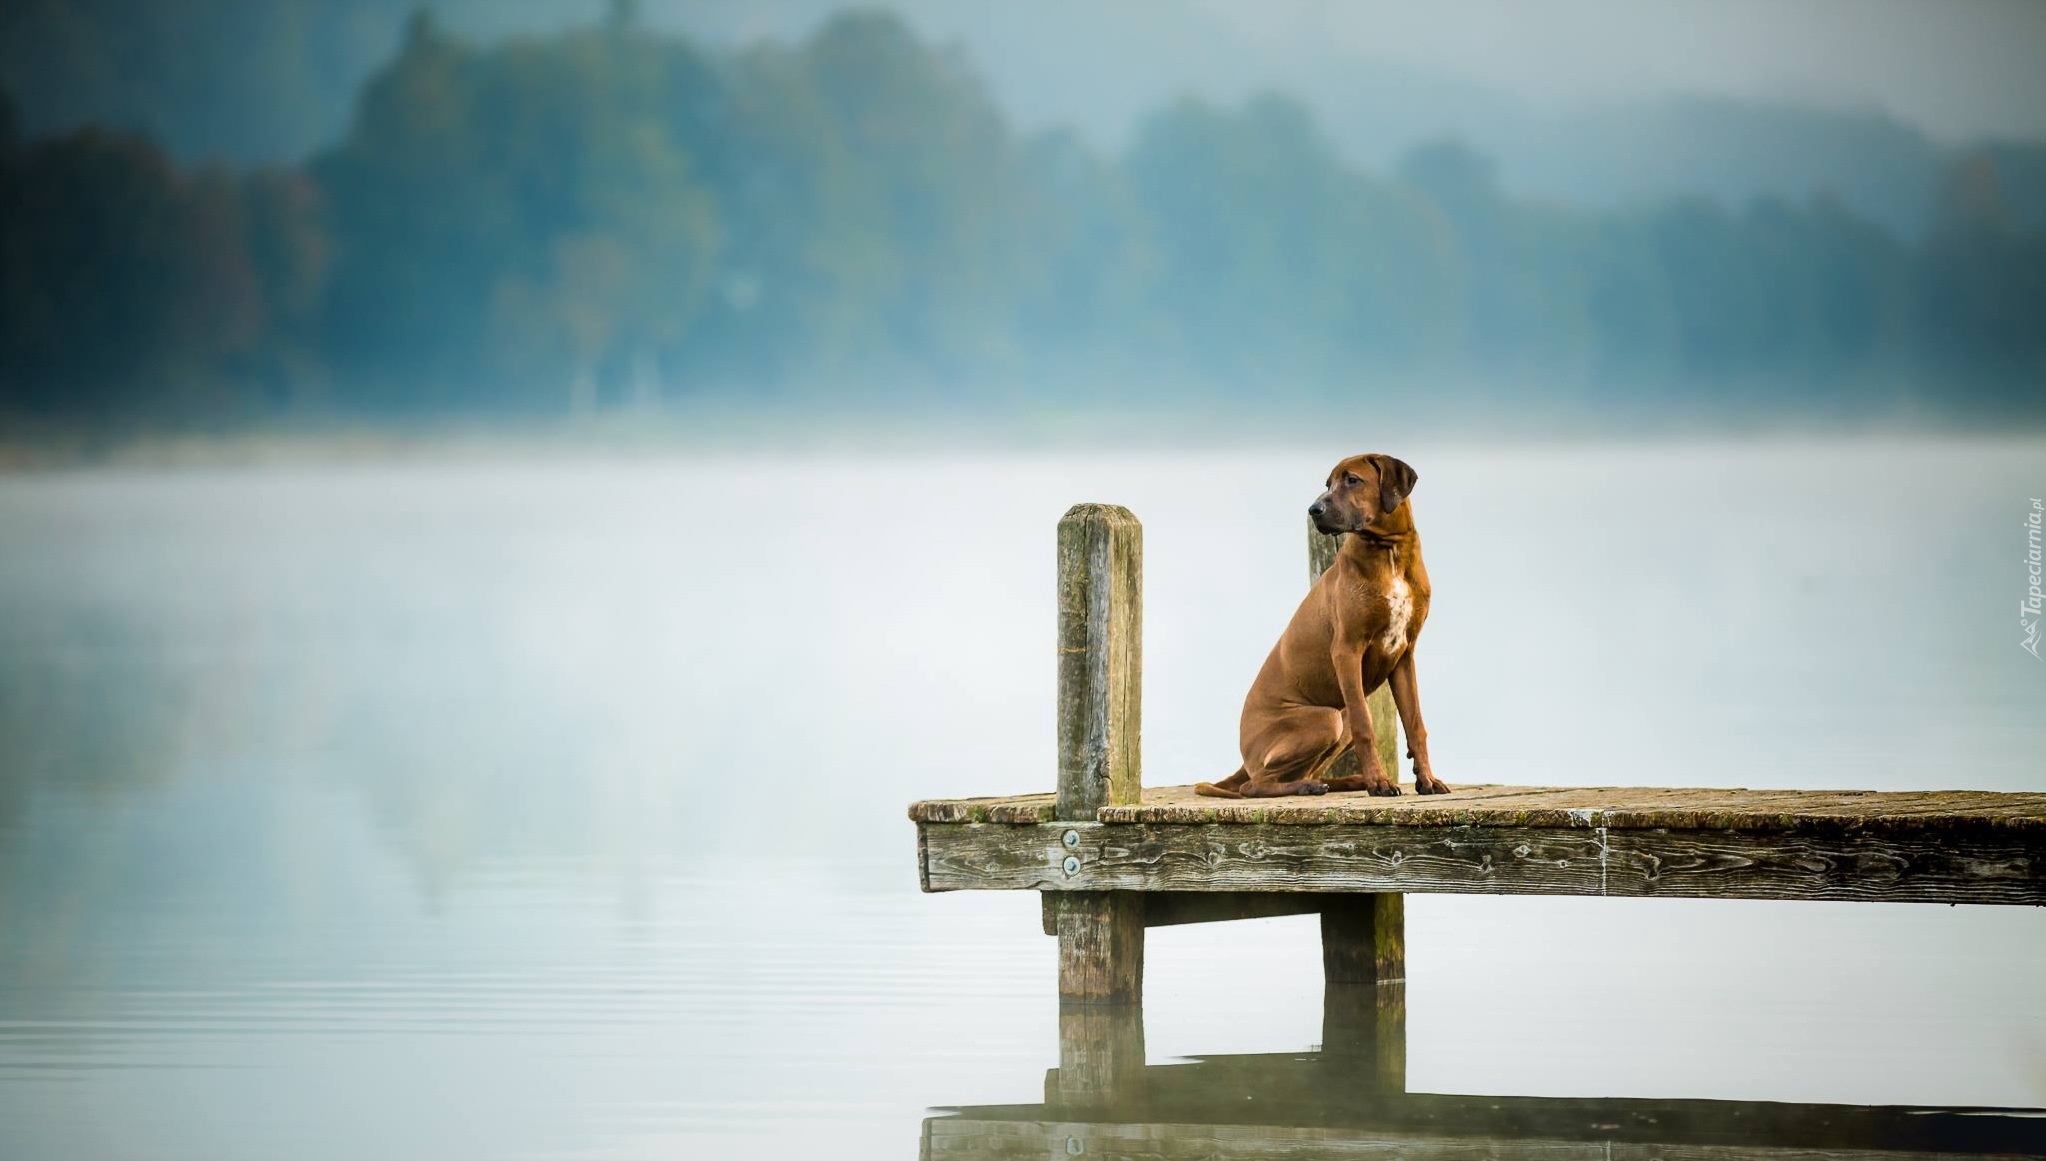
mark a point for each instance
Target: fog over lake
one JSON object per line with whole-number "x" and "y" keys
{"x": 552, "y": 806}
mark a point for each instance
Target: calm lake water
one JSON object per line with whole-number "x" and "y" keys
{"x": 554, "y": 808}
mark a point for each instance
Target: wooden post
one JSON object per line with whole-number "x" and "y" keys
{"x": 1100, "y": 708}
{"x": 1385, "y": 717}
{"x": 1101, "y": 658}
{"x": 1363, "y": 937}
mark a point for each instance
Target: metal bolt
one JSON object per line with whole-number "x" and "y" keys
{"x": 1072, "y": 864}
{"x": 1074, "y": 1148}
{"x": 1072, "y": 839}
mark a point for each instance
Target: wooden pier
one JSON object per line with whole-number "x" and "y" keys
{"x": 1111, "y": 858}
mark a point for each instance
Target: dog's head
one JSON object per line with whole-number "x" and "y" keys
{"x": 1361, "y": 491}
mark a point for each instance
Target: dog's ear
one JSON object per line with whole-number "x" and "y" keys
{"x": 1395, "y": 481}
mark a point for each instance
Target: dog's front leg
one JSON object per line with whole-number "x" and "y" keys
{"x": 1406, "y": 694}
{"x": 1349, "y": 663}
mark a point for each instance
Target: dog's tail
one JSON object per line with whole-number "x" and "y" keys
{"x": 1226, "y": 788}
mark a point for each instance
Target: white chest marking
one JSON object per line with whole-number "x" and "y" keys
{"x": 1399, "y": 611}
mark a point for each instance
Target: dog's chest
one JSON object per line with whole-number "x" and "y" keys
{"x": 1399, "y": 614}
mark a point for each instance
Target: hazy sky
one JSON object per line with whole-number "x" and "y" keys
{"x": 1960, "y": 69}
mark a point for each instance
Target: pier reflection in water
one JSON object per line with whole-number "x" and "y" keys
{"x": 1348, "y": 1100}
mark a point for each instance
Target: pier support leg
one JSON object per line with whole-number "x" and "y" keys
{"x": 1101, "y": 946}
{"x": 1101, "y": 994}
{"x": 1364, "y": 991}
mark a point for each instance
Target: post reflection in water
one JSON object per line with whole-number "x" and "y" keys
{"x": 1349, "y": 1098}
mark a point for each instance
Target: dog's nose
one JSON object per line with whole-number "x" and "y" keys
{"x": 1315, "y": 509}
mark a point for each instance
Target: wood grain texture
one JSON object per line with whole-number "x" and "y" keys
{"x": 1385, "y": 717}
{"x": 1100, "y": 658}
{"x": 1049, "y": 1140}
{"x": 1906, "y": 865}
{"x": 988, "y": 856}
{"x": 1101, "y": 946}
{"x": 1590, "y": 807}
{"x": 1921, "y": 866}
{"x": 1364, "y": 939}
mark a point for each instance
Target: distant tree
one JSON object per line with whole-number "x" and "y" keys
{"x": 10, "y": 125}
{"x": 487, "y": 202}
{"x": 290, "y": 251}
{"x": 1082, "y": 280}
{"x": 1519, "y": 265}
{"x": 128, "y": 288}
{"x": 1459, "y": 179}
{"x": 930, "y": 179}
{"x": 251, "y": 81}
{"x": 1273, "y": 256}
{"x": 1981, "y": 290}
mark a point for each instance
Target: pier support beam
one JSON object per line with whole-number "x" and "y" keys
{"x": 1101, "y": 993}
{"x": 1100, "y": 715}
{"x": 1364, "y": 989}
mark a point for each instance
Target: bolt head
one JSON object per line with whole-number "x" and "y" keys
{"x": 1072, "y": 864}
{"x": 1072, "y": 839}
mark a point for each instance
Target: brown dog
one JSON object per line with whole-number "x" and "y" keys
{"x": 1355, "y": 630}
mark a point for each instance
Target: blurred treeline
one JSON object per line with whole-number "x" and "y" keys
{"x": 611, "y": 216}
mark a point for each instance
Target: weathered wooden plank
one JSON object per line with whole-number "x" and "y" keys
{"x": 923, "y": 860}
{"x": 1938, "y": 866}
{"x": 1023, "y": 812}
{"x": 1905, "y": 866}
{"x": 1037, "y": 1141}
{"x": 1013, "y": 808}
{"x": 1180, "y": 805}
{"x": 1690, "y": 808}
{"x": 986, "y": 856}
{"x": 1385, "y": 718}
{"x": 1100, "y": 658}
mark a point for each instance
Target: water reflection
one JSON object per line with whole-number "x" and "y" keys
{"x": 1349, "y": 1099}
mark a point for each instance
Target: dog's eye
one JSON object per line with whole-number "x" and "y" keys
{"x": 1352, "y": 480}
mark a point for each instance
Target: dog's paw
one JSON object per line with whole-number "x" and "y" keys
{"x": 1312, "y": 786}
{"x": 1431, "y": 786}
{"x": 1388, "y": 790}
